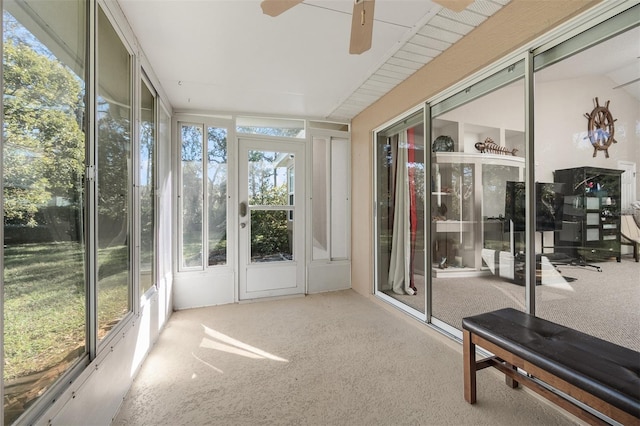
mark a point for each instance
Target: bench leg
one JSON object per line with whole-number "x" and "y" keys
{"x": 512, "y": 383}
{"x": 469, "y": 357}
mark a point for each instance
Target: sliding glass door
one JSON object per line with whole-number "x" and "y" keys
{"x": 531, "y": 188}
{"x": 478, "y": 159}
{"x": 400, "y": 214}
{"x": 587, "y": 148}
{"x": 43, "y": 172}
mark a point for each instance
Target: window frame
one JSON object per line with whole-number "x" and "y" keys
{"x": 204, "y": 125}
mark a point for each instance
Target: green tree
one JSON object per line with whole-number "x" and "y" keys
{"x": 268, "y": 228}
{"x": 217, "y": 194}
{"x": 114, "y": 146}
{"x": 43, "y": 138}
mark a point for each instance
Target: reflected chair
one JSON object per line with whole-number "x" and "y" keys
{"x": 630, "y": 234}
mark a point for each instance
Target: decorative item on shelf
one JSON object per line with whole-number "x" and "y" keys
{"x": 442, "y": 143}
{"x": 600, "y": 128}
{"x": 439, "y": 213}
{"x": 490, "y": 147}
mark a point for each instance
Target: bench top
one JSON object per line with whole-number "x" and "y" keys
{"x": 604, "y": 369}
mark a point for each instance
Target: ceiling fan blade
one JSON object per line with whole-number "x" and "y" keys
{"x": 455, "y": 5}
{"x": 276, "y": 7}
{"x": 361, "y": 26}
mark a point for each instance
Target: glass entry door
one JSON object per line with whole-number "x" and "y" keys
{"x": 271, "y": 218}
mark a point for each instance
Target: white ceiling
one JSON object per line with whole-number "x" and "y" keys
{"x": 226, "y": 56}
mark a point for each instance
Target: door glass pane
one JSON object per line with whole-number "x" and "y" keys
{"x": 271, "y": 236}
{"x": 268, "y": 178}
{"x": 400, "y": 217}
{"x": 271, "y": 201}
{"x": 191, "y": 199}
{"x": 477, "y": 200}
{"x": 43, "y": 186}
{"x": 147, "y": 189}
{"x": 217, "y": 195}
{"x": 114, "y": 177}
{"x": 591, "y": 283}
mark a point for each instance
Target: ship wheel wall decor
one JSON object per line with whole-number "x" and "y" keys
{"x": 600, "y": 128}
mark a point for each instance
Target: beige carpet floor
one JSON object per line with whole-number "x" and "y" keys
{"x": 326, "y": 359}
{"x": 603, "y": 304}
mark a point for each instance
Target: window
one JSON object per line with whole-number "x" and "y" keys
{"x": 147, "y": 184}
{"x": 290, "y": 189}
{"x": 271, "y": 127}
{"x": 196, "y": 192}
{"x": 44, "y": 213}
{"x": 114, "y": 174}
{"x": 400, "y": 189}
{"x": 217, "y": 195}
{"x": 579, "y": 225}
{"x": 191, "y": 196}
{"x": 478, "y": 152}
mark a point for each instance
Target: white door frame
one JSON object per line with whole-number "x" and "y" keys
{"x": 628, "y": 184}
{"x": 277, "y": 278}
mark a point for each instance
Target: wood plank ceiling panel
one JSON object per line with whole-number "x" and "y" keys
{"x": 413, "y": 57}
{"x": 430, "y": 42}
{"x": 436, "y": 36}
{"x": 421, "y": 50}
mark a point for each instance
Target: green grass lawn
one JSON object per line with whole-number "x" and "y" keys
{"x": 44, "y": 305}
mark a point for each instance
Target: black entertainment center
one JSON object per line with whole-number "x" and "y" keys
{"x": 590, "y": 214}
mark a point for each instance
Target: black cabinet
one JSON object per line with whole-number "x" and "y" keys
{"x": 590, "y": 214}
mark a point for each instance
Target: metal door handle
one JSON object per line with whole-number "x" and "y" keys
{"x": 243, "y": 209}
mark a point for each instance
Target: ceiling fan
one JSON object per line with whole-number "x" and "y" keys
{"x": 361, "y": 18}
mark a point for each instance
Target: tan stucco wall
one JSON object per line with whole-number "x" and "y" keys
{"x": 514, "y": 25}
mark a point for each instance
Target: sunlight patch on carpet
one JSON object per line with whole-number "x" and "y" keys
{"x": 222, "y": 342}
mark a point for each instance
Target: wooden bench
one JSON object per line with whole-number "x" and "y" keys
{"x": 531, "y": 350}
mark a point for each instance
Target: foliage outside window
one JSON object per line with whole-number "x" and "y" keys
{"x": 197, "y": 222}
{"x": 43, "y": 187}
{"x": 217, "y": 195}
{"x": 285, "y": 128}
{"x": 147, "y": 190}
{"x": 191, "y": 196}
{"x": 271, "y": 232}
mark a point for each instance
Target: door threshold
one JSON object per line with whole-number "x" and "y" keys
{"x": 269, "y": 298}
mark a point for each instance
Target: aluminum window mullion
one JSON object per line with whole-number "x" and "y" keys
{"x": 156, "y": 131}
{"x": 91, "y": 182}
{"x": 499, "y": 79}
{"x": 134, "y": 210}
{"x": 530, "y": 202}
{"x": 404, "y": 124}
{"x": 549, "y": 54}
{"x": 428, "y": 245}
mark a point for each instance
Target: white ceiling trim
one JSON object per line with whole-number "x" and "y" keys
{"x": 435, "y": 35}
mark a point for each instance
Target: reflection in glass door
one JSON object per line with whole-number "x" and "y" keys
{"x": 400, "y": 211}
{"x": 477, "y": 235}
{"x": 271, "y": 218}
